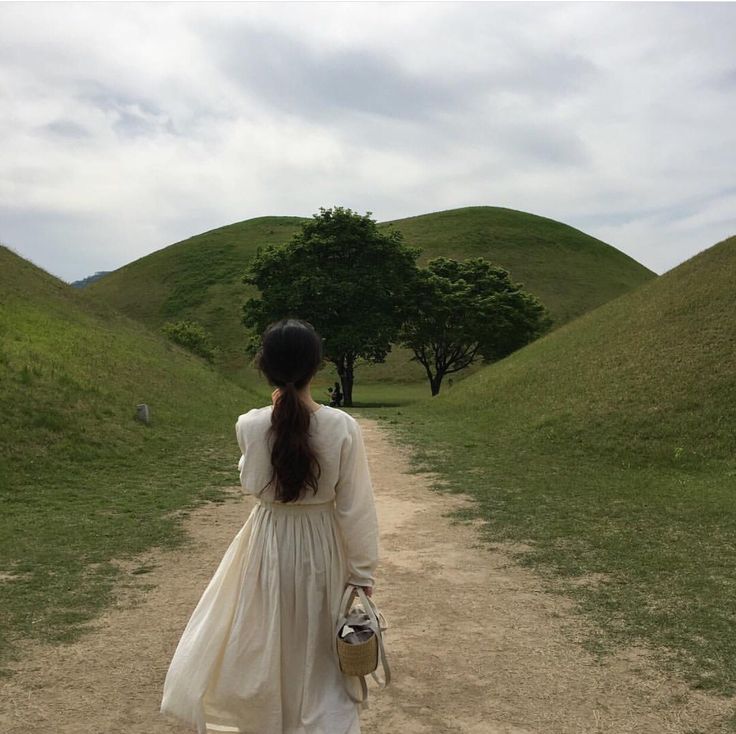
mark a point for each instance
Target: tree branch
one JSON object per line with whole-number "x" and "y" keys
{"x": 468, "y": 359}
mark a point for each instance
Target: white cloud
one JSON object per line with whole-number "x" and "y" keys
{"x": 125, "y": 127}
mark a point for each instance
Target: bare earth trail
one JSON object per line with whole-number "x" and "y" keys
{"x": 476, "y": 646}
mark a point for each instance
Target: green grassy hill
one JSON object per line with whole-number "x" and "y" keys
{"x": 608, "y": 448}
{"x": 570, "y": 271}
{"x": 199, "y": 278}
{"x": 81, "y": 481}
{"x": 646, "y": 378}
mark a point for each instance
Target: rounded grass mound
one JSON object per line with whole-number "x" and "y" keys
{"x": 570, "y": 271}
{"x": 647, "y": 377}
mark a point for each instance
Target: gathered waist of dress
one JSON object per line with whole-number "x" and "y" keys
{"x": 296, "y": 507}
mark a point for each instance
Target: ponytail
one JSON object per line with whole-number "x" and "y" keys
{"x": 295, "y": 467}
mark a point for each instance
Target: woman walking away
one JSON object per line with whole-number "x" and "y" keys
{"x": 257, "y": 655}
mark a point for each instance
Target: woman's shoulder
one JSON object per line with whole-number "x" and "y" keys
{"x": 349, "y": 419}
{"x": 252, "y": 414}
{"x": 331, "y": 415}
{"x": 339, "y": 418}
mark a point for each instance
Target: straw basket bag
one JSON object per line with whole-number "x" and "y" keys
{"x": 359, "y": 641}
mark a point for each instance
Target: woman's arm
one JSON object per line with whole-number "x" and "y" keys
{"x": 356, "y": 510}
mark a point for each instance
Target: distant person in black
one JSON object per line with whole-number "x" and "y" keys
{"x": 336, "y": 394}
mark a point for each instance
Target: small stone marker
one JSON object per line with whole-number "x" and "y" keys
{"x": 143, "y": 414}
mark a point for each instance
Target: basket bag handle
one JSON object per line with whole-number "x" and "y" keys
{"x": 377, "y": 624}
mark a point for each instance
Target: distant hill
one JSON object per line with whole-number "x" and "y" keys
{"x": 89, "y": 279}
{"x": 570, "y": 271}
{"x": 199, "y": 278}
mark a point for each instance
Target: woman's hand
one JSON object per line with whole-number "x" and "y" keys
{"x": 368, "y": 590}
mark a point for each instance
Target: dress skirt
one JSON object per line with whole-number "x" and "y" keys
{"x": 257, "y": 654}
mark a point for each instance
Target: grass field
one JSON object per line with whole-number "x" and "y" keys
{"x": 199, "y": 278}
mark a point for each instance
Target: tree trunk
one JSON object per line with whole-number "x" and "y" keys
{"x": 345, "y": 372}
{"x": 434, "y": 380}
{"x": 434, "y": 383}
{"x": 347, "y": 381}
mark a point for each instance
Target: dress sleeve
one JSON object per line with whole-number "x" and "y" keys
{"x": 355, "y": 509}
{"x": 240, "y": 437}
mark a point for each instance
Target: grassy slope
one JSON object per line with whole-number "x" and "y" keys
{"x": 570, "y": 271}
{"x": 81, "y": 482}
{"x": 608, "y": 447}
{"x": 199, "y": 278}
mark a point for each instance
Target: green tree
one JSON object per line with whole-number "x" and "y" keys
{"x": 342, "y": 275}
{"x": 466, "y": 311}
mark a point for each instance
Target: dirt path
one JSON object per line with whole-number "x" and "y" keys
{"x": 501, "y": 658}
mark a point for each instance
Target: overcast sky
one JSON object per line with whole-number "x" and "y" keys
{"x": 127, "y": 127}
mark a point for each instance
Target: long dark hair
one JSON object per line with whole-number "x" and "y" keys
{"x": 289, "y": 356}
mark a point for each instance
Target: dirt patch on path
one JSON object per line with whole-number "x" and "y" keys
{"x": 476, "y": 646}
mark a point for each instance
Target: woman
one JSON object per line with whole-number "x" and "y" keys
{"x": 257, "y": 656}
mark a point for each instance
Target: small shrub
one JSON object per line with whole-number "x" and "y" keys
{"x": 191, "y": 336}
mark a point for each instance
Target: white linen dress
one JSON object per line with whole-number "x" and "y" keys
{"x": 257, "y": 656}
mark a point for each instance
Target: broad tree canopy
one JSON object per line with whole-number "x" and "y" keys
{"x": 345, "y": 277}
{"x": 465, "y": 311}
